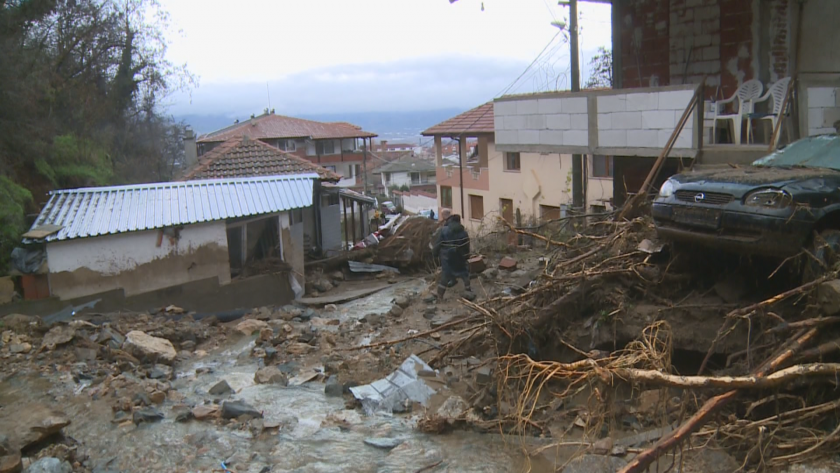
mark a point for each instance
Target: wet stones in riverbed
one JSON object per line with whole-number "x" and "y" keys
{"x": 144, "y": 346}
{"x": 385, "y": 443}
{"x": 206, "y": 411}
{"x": 236, "y": 409}
{"x": 160, "y": 372}
{"x": 396, "y": 311}
{"x": 333, "y": 388}
{"x": 146, "y": 415}
{"x": 402, "y": 301}
{"x": 270, "y": 375}
{"x": 222, "y": 388}
{"x": 50, "y": 465}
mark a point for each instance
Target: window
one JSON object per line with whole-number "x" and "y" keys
{"x": 602, "y": 166}
{"x": 286, "y": 145}
{"x": 446, "y": 196}
{"x": 387, "y": 177}
{"x": 357, "y": 169}
{"x": 325, "y": 147}
{"x": 295, "y": 216}
{"x": 548, "y": 212}
{"x": 415, "y": 178}
{"x": 476, "y": 207}
{"x": 512, "y": 162}
{"x": 506, "y": 209}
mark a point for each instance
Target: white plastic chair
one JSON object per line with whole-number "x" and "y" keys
{"x": 746, "y": 95}
{"x": 777, "y": 92}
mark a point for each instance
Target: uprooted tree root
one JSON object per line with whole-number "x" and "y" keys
{"x": 781, "y": 411}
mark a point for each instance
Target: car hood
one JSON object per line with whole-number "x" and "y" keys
{"x": 739, "y": 181}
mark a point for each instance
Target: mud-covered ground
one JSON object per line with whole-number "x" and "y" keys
{"x": 269, "y": 392}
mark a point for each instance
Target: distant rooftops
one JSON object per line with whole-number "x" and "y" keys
{"x": 271, "y": 126}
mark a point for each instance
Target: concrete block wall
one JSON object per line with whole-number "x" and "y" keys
{"x": 823, "y": 109}
{"x": 554, "y": 121}
{"x": 643, "y": 120}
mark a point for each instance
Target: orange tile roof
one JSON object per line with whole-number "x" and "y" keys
{"x": 270, "y": 126}
{"x": 476, "y": 121}
{"x": 244, "y": 157}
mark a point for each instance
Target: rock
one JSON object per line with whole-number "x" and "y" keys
{"x": 322, "y": 285}
{"x": 108, "y": 334}
{"x": 157, "y": 397}
{"x": 142, "y": 399}
{"x": 142, "y": 346}
{"x": 58, "y": 335}
{"x": 263, "y": 313}
{"x": 222, "y": 388}
{"x": 205, "y": 411}
{"x": 11, "y": 463}
{"x": 333, "y": 388}
{"x": 188, "y": 345}
{"x": 270, "y": 352}
{"x": 828, "y": 297}
{"x": 375, "y": 319}
{"x": 6, "y": 447}
{"x": 331, "y": 308}
{"x": 85, "y": 354}
{"x": 147, "y": 414}
{"x": 396, "y": 311}
{"x": 299, "y": 348}
{"x": 594, "y": 464}
{"x": 307, "y": 315}
{"x": 489, "y": 274}
{"x": 468, "y": 295}
{"x": 484, "y": 375}
{"x": 7, "y": 290}
{"x": 160, "y": 372}
{"x": 249, "y": 326}
{"x": 20, "y": 348}
{"x": 17, "y": 322}
{"x": 430, "y": 312}
{"x": 235, "y": 409}
{"x": 437, "y": 322}
{"x": 402, "y": 301}
{"x": 649, "y": 401}
{"x": 319, "y": 322}
{"x": 383, "y": 443}
{"x": 270, "y": 375}
{"x": 337, "y": 276}
{"x": 266, "y": 334}
{"x": 50, "y": 465}
{"x": 507, "y": 264}
{"x": 453, "y": 408}
{"x": 603, "y": 446}
{"x": 182, "y": 414}
{"x": 37, "y": 424}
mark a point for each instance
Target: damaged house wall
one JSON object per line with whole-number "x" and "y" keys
{"x": 133, "y": 261}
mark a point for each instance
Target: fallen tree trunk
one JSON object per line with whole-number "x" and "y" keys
{"x": 729, "y": 382}
{"x": 644, "y": 459}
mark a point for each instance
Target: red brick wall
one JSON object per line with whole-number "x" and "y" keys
{"x": 666, "y": 42}
{"x": 644, "y": 41}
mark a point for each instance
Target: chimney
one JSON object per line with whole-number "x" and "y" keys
{"x": 383, "y": 146}
{"x": 190, "y": 151}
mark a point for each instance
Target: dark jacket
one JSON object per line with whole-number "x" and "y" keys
{"x": 453, "y": 246}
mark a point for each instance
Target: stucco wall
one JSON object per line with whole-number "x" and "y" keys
{"x": 134, "y": 262}
{"x": 417, "y": 202}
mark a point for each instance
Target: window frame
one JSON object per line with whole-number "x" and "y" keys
{"x": 517, "y": 157}
{"x": 321, "y": 150}
{"x": 473, "y": 209}
{"x": 609, "y": 165}
{"x": 446, "y": 197}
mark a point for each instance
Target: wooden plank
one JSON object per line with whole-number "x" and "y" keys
{"x": 42, "y": 232}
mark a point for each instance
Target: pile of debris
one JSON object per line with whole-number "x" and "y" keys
{"x": 408, "y": 243}
{"x": 614, "y": 287}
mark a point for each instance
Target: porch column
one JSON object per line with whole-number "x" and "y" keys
{"x": 346, "y": 224}
{"x": 353, "y": 219}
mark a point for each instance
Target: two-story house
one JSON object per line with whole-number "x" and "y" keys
{"x": 414, "y": 174}
{"x": 484, "y": 182}
{"x": 338, "y": 146}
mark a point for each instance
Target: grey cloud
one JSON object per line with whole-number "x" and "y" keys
{"x": 411, "y": 84}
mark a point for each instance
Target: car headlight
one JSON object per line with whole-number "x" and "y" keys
{"x": 667, "y": 189}
{"x": 769, "y": 198}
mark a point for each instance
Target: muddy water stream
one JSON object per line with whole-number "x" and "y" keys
{"x": 316, "y": 433}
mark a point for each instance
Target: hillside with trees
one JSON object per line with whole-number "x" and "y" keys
{"x": 81, "y": 87}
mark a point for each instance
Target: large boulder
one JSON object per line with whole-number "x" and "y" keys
{"x": 143, "y": 345}
{"x": 270, "y": 375}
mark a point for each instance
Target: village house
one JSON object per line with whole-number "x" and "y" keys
{"x": 391, "y": 151}
{"x": 413, "y": 174}
{"x": 492, "y": 182}
{"x": 339, "y": 146}
{"x": 193, "y": 242}
{"x": 750, "y": 53}
{"x": 242, "y": 156}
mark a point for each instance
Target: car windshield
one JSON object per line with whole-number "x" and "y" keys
{"x": 813, "y": 152}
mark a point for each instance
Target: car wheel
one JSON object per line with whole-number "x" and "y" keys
{"x": 825, "y": 248}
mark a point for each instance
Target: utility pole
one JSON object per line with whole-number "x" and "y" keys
{"x": 574, "y": 45}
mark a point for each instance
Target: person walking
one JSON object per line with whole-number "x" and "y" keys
{"x": 453, "y": 247}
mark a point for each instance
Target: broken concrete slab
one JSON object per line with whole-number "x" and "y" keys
{"x": 341, "y": 298}
{"x": 357, "y": 267}
{"x": 396, "y": 388}
{"x": 143, "y": 345}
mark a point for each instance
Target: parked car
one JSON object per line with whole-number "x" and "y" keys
{"x": 388, "y": 208}
{"x": 774, "y": 207}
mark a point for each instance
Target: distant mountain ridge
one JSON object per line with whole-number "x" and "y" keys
{"x": 391, "y": 126}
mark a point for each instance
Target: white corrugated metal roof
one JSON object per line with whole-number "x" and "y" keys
{"x": 95, "y": 211}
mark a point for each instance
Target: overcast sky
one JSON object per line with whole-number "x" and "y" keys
{"x": 333, "y": 56}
